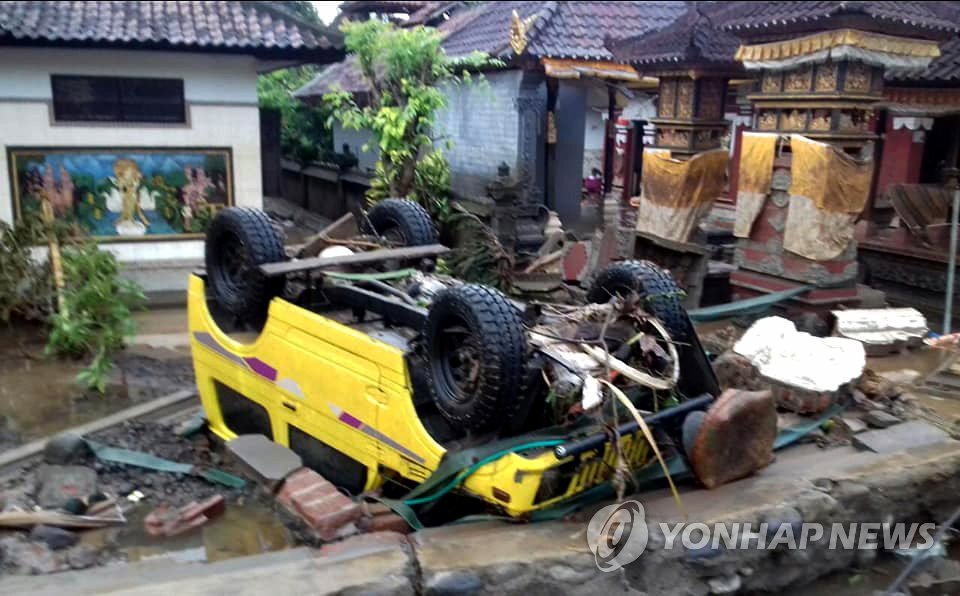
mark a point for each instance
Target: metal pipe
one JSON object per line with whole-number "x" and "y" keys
{"x": 597, "y": 440}
{"x": 952, "y": 259}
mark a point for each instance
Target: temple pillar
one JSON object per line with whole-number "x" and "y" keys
{"x": 531, "y": 104}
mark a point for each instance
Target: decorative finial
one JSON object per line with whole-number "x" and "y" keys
{"x": 518, "y": 31}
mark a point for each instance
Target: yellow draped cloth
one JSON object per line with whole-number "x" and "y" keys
{"x": 757, "y": 152}
{"x": 677, "y": 194}
{"x": 828, "y": 190}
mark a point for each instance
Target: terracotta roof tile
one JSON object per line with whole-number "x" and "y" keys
{"x": 757, "y": 15}
{"x": 692, "y": 38}
{"x": 207, "y": 25}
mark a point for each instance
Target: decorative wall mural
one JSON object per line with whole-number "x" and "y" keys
{"x": 124, "y": 193}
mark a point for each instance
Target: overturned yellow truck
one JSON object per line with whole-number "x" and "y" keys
{"x": 376, "y": 369}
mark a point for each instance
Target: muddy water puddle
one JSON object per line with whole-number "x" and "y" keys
{"x": 247, "y": 529}
{"x": 39, "y": 396}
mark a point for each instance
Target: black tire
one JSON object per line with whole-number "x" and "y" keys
{"x": 475, "y": 330}
{"x": 663, "y": 298}
{"x": 401, "y": 221}
{"x": 239, "y": 240}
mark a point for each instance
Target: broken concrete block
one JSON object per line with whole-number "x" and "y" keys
{"x": 58, "y": 484}
{"x": 736, "y": 437}
{"x": 900, "y": 437}
{"x": 880, "y": 419}
{"x": 317, "y": 502}
{"x": 269, "y": 462}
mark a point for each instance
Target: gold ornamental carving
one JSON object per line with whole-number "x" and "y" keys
{"x": 685, "y": 99}
{"x": 857, "y": 78}
{"x": 799, "y": 81}
{"x": 820, "y": 120}
{"x": 518, "y": 31}
{"x": 771, "y": 82}
{"x": 826, "y": 77}
{"x": 796, "y": 120}
{"x": 668, "y": 97}
{"x": 767, "y": 120}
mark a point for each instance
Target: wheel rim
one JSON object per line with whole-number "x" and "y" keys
{"x": 234, "y": 266}
{"x": 458, "y": 355}
{"x": 393, "y": 233}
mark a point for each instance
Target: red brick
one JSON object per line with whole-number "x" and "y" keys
{"x": 311, "y": 497}
{"x": 384, "y": 522}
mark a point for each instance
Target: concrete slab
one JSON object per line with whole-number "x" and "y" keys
{"x": 900, "y": 437}
{"x": 269, "y": 461}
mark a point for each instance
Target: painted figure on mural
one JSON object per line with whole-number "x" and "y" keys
{"x": 125, "y": 199}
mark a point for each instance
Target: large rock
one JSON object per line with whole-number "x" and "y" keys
{"x": 58, "y": 484}
{"x": 736, "y": 437}
{"x": 65, "y": 449}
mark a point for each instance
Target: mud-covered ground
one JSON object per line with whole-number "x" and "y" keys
{"x": 39, "y": 395}
{"x": 251, "y": 524}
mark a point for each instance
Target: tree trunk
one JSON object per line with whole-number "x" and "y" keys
{"x": 404, "y": 180}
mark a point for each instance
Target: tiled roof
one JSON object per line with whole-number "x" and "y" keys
{"x": 739, "y": 16}
{"x": 693, "y": 38}
{"x": 560, "y": 29}
{"x": 578, "y": 29}
{"x": 945, "y": 69}
{"x": 344, "y": 75}
{"x": 254, "y": 27}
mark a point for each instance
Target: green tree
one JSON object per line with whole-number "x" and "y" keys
{"x": 304, "y": 134}
{"x": 405, "y": 69}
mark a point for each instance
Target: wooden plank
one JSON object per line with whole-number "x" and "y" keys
{"x": 360, "y": 258}
{"x": 342, "y": 229}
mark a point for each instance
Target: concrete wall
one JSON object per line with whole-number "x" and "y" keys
{"x": 482, "y": 122}
{"x": 220, "y": 92}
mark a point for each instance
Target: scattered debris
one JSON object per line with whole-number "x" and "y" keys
{"x": 166, "y": 521}
{"x": 28, "y": 519}
{"x": 736, "y": 437}
{"x": 55, "y": 538}
{"x": 191, "y": 426}
{"x": 877, "y": 387}
{"x": 58, "y": 484}
{"x": 853, "y": 424}
{"x": 737, "y": 372}
{"x": 140, "y": 459}
{"x": 880, "y": 419}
